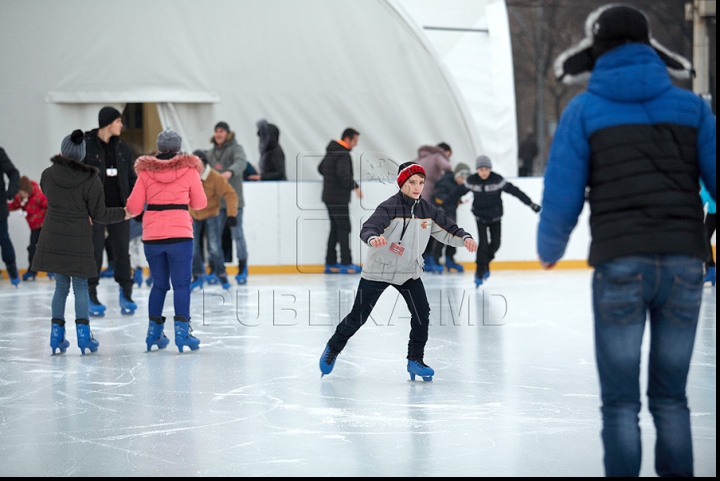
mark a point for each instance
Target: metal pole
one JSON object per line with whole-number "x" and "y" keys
{"x": 540, "y": 128}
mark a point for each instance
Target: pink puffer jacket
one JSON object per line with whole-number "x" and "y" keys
{"x": 175, "y": 182}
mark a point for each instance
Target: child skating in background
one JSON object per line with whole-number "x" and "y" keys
{"x": 398, "y": 233}
{"x": 137, "y": 255}
{"x": 31, "y": 200}
{"x": 168, "y": 185}
{"x": 487, "y": 188}
{"x": 446, "y": 199}
{"x": 75, "y": 198}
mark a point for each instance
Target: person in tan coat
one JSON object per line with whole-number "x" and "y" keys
{"x": 209, "y": 222}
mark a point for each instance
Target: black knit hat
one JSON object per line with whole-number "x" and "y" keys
{"x": 107, "y": 116}
{"x": 606, "y": 28}
{"x": 222, "y": 125}
{"x": 202, "y": 155}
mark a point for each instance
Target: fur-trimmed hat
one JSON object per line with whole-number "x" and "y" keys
{"x": 606, "y": 28}
{"x": 407, "y": 170}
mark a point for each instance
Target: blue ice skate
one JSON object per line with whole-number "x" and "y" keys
{"x": 432, "y": 266}
{"x": 15, "y": 281}
{"x": 349, "y": 269}
{"x": 85, "y": 337}
{"x": 451, "y": 265}
{"x": 224, "y": 282}
{"x": 127, "y": 306}
{"x": 155, "y": 334}
{"x": 211, "y": 279}
{"x": 241, "y": 278}
{"x": 327, "y": 361}
{"x": 138, "y": 276}
{"x": 487, "y": 274}
{"x": 332, "y": 269}
{"x": 57, "y": 336}
{"x": 29, "y": 276}
{"x": 149, "y": 281}
{"x": 108, "y": 273}
{"x": 197, "y": 283}
{"x": 51, "y": 276}
{"x": 183, "y": 336}
{"x": 479, "y": 281}
{"x": 418, "y": 368}
{"x": 710, "y": 276}
{"x": 97, "y": 309}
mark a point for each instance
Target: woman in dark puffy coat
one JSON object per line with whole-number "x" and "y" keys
{"x": 76, "y": 198}
{"x": 272, "y": 157}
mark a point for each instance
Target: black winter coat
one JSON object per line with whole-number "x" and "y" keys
{"x": 337, "y": 169}
{"x": 7, "y": 168}
{"x": 447, "y": 193}
{"x": 95, "y": 157}
{"x": 75, "y": 195}
{"x": 272, "y": 157}
{"x": 488, "y": 205}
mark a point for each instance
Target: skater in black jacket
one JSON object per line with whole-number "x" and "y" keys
{"x": 487, "y": 187}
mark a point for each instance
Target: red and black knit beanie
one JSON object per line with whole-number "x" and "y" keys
{"x": 407, "y": 170}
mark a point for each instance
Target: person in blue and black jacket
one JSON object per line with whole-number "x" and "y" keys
{"x": 635, "y": 147}
{"x": 398, "y": 233}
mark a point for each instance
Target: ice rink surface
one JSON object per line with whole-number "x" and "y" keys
{"x": 515, "y": 391}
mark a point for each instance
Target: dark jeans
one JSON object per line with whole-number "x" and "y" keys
{"x": 710, "y": 226}
{"x": 339, "y": 234}
{"x": 213, "y": 229}
{"x": 487, "y": 248}
{"x": 62, "y": 289}
{"x": 625, "y": 290}
{"x": 8, "y": 252}
{"x": 119, "y": 240}
{"x": 34, "y": 237}
{"x": 368, "y": 293}
{"x": 170, "y": 262}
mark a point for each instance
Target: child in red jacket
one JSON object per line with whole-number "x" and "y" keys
{"x": 30, "y": 198}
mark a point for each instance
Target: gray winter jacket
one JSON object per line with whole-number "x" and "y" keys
{"x": 408, "y": 223}
{"x": 230, "y": 157}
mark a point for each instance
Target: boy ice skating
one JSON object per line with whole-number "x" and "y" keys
{"x": 398, "y": 232}
{"x": 487, "y": 187}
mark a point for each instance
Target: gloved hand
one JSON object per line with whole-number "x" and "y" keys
{"x": 139, "y": 217}
{"x": 232, "y": 221}
{"x": 536, "y": 208}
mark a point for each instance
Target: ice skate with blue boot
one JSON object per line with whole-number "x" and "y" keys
{"x": 332, "y": 268}
{"x": 416, "y": 367}
{"x": 108, "y": 273}
{"x": 710, "y": 276}
{"x": 487, "y": 274}
{"x": 224, "y": 282}
{"x": 51, "y": 276}
{"x": 155, "y": 334}
{"x": 241, "y": 278}
{"x": 211, "y": 279}
{"x": 127, "y": 306}
{"x": 183, "y": 335}
{"x": 138, "y": 277}
{"x": 349, "y": 269}
{"x": 432, "y": 266}
{"x": 29, "y": 276}
{"x": 197, "y": 283}
{"x": 85, "y": 337}
{"x": 97, "y": 309}
{"x": 479, "y": 281}
{"x": 451, "y": 265}
{"x": 327, "y": 361}
{"x": 57, "y": 336}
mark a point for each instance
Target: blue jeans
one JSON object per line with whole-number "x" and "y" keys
{"x": 237, "y": 233}
{"x": 62, "y": 289}
{"x": 6, "y": 247}
{"x": 170, "y": 262}
{"x": 368, "y": 293}
{"x": 214, "y": 246}
{"x": 625, "y": 290}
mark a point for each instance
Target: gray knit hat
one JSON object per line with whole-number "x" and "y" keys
{"x": 169, "y": 141}
{"x": 73, "y": 146}
{"x": 461, "y": 170}
{"x": 483, "y": 161}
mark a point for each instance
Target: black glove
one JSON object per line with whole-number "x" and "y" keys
{"x": 232, "y": 221}
{"x": 139, "y": 217}
{"x": 536, "y": 208}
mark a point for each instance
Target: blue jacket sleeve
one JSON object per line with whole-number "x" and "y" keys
{"x": 566, "y": 179}
{"x": 707, "y": 149}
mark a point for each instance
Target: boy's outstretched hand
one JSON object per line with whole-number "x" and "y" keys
{"x": 470, "y": 245}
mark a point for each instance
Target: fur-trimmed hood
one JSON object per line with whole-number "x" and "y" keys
{"x": 167, "y": 171}
{"x": 427, "y": 150}
{"x": 230, "y": 137}
{"x": 68, "y": 173}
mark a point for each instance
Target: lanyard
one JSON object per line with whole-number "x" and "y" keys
{"x": 405, "y": 226}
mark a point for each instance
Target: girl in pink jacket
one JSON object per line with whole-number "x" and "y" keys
{"x": 168, "y": 185}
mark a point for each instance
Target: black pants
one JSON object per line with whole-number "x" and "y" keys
{"x": 710, "y": 225}
{"x": 339, "y": 234}
{"x": 119, "y": 240}
{"x": 487, "y": 247}
{"x": 34, "y": 237}
{"x": 368, "y": 293}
